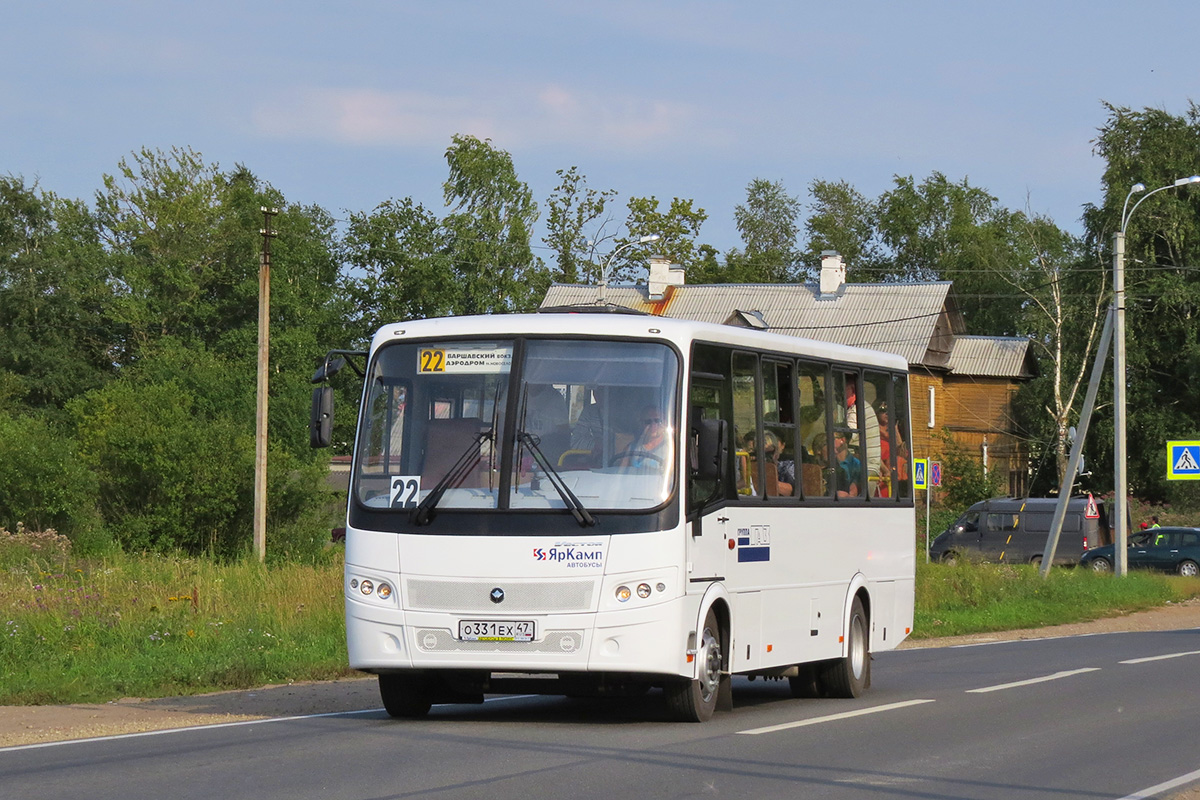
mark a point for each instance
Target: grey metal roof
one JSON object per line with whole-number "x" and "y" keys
{"x": 992, "y": 356}
{"x": 896, "y": 318}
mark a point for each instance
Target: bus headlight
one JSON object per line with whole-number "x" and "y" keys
{"x": 623, "y": 594}
{"x": 643, "y": 590}
{"x": 384, "y": 591}
{"x": 366, "y": 587}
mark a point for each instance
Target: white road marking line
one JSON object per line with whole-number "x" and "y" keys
{"x": 164, "y": 731}
{"x": 1030, "y": 640}
{"x": 215, "y": 726}
{"x": 832, "y": 717}
{"x": 1042, "y": 679}
{"x": 1161, "y": 658}
{"x": 1155, "y": 791}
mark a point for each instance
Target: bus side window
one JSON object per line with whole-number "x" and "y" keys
{"x": 745, "y": 422}
{"x": 814, "y": 429}
{"x": 901, "y": 484}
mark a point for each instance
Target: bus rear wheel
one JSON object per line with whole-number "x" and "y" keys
{"x": 696, "y": 700}
{"x": 850, "y": 675}
{"x": 405, "y": 696}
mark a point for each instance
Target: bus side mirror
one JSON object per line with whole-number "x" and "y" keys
{"x": 320, "y": 421}
{"x": 712, "y": 450}
{"x": 328, "y": 369}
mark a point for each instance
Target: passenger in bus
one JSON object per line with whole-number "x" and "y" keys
{"x": 785, "y": 468}
{"x": 886, "y": 435}
{"x": 873, "y": 454}
{"x": 651, "y": 447}
{"x": 846, "y": 467}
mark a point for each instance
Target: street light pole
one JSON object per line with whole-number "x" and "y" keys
{"x": 650, "y": 237}
{"x": 1120, "y": 509}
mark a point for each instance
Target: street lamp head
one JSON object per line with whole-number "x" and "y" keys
{"x": 1186, "y": 181}
{"x": 654, "y": 237}
{"x": 1137, "y": 187}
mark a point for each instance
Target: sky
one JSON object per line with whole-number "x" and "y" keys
{"x": 349, "y": 104}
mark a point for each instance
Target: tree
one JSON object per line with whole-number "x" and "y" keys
{"x": 845, "y": 221}
{"x": 1064, "y": 294}
{"x": 573, "y": 208}
{"x": 942, "y": 230}
{"x": 160, "y": 220}
{"x": 406, "y": 268}
{"x": 489, "y": 227}
{"x": 768, "y": 224}
{"x": 1162, "y": 249}
{"x": 677, "y": 228}
{"x": 55, "y": 296}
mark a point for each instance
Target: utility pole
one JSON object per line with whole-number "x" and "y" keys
{"x": 260, "y": 431}
{"x": 1068, "y": 478}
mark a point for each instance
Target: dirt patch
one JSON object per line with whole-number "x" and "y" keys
{"x": 36, "y": 724}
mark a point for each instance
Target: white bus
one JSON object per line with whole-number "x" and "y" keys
{"x": 604, "y": 503}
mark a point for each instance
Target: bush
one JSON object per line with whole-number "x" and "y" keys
{"x": 168, "y": 476}
{"x": 174, "y": 464}
{"x": 43, "y": 483}
{"x": 964, "y": 481}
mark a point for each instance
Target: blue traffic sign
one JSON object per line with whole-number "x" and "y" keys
{"x": 1183, "y": 461}
{"x": 920, "y": 473}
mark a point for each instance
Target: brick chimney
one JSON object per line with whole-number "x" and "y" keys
{"x": 662, "y": 274}
{"x": 833, "y": 272}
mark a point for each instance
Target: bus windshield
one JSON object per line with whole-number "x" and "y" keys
{"x": 481, "y": 427}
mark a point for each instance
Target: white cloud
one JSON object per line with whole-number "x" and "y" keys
{"x": 547, "y": 114}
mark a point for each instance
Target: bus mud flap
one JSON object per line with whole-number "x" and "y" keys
{"x": 725, "y": 693}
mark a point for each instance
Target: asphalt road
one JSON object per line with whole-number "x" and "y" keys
{"x": 1105, "y": 716}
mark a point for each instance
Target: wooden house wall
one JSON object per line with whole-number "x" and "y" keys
{"x": 974, "y": 410}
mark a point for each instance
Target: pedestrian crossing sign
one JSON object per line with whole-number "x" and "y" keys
{"x": 1183, "y": 461}
{"x": 920, "y": 473}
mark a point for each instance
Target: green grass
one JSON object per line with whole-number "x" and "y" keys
{"x": 978, "y": 598}
{"x": 75, "y": 630}
{"x": 91, "y": 630}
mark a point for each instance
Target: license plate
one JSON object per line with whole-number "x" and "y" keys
{"x": 495, "y": 630}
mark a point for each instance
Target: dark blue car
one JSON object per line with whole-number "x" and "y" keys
{"x": 1166, "y": 549}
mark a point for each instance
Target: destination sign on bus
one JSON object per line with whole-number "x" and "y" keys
{"x": 464, "y": 359}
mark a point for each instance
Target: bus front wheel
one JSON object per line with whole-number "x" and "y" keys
{"x": 696, "y": 700}
{"x": 851, "y": 675}
{"x": 405, "y": 696}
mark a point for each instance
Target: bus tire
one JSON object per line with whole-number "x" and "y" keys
{"x": 851, "y": 675}
{"x": 405, "y": 696}
{"x": 806, "y": 683}
{"x": 696, "y": 700}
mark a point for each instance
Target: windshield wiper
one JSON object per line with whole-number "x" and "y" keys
{"x": 423, "y": 513}
{"x": 577, "y": 509}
